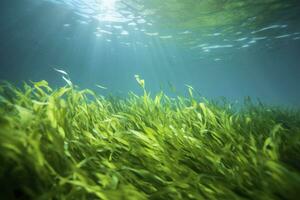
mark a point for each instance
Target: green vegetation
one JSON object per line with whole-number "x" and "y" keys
{"x": 73, "y": 144}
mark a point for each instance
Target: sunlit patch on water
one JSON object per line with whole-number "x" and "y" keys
{"x": 132, "y": 24}
{"x": 166, "y": 37}
{"x": 269, "y": 27}
{"x": 124, "y": 32}
{"x": 152, "y": 34}
{"x": 283, "y": 36}
{"x": 82, "y": 22}
{"x": 218, "y": 46}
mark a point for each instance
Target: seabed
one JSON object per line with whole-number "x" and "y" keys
{"x": 75, "y": 144}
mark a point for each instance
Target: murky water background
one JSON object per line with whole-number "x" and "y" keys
{"x": 220, "y": 47}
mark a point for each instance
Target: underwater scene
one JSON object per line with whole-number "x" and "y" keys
{"x": 150, "y": 99}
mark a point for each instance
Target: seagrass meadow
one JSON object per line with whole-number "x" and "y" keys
{"x": 149, "y": 100}
{"x": 68, "y": 143}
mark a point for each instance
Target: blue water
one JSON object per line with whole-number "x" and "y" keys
{"x": 226, "y": 49}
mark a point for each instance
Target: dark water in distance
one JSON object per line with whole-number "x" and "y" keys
{"x": 231, "y": 48}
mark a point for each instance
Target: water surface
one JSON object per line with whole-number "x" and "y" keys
{"x": 220, "y": 47}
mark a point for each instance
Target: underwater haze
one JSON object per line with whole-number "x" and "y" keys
{"x": 223, "y": 48}
{"x": 150, "y": 99}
